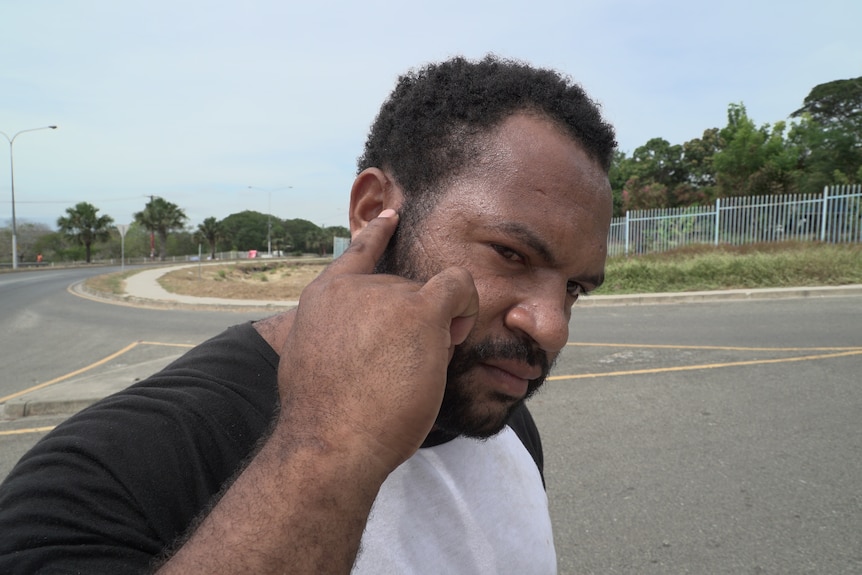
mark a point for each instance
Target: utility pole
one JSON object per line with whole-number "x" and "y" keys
{"x": 152, "y": 238}
{"x": 12, "y": 175}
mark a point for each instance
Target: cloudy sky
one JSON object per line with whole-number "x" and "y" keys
{"x": 225, "y": 106}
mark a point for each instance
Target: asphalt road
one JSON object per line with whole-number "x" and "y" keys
{"x": 719, "y": 438}
{"x": 698, "y": 438}
{"x": 48, "y": 332}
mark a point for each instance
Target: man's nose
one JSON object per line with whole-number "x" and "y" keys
{"x": 544, "y": 317}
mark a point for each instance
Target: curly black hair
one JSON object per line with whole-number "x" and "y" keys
{"x": 430, "y": 127}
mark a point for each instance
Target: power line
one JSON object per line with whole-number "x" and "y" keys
{"x": 100, "y": 200}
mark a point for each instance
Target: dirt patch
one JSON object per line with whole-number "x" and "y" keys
{"x": 269, "y": 281}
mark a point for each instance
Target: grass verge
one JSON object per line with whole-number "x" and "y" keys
{"x": 700, "y": 268}
{"x": 110, "y": 284}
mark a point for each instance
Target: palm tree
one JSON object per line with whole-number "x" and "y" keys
{"x": 316, "y": 241}
{"x": 210, "y": 230}
{"x": 82, "y": 224}
{"x": 160, "y": 216}
{"x": 283, "y": 241}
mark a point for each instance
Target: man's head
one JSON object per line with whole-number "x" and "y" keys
{"x": 499, "y": 168}
{"x": 435, "y": 120}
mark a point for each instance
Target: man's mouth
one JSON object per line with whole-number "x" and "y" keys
{"x": 511, "y": 377}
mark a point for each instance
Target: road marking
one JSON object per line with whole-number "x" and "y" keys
{"x": 72, "y": 374}
{"x": 29, "y": 430}
{"x": 184, "y": 345}
{"x": 712, "y": 347}
{"x": 853, "y": 351}
{"x": 96, "y": 364}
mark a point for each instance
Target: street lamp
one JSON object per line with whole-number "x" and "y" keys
{"x": 269, "y": 215}
{"x": 12, "y": 175}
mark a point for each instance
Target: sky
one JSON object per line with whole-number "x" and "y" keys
{"x": 264, "y": 105}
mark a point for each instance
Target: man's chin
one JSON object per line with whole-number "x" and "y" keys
{"x": 479, "y": 421}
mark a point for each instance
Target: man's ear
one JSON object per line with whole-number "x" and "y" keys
{"x": 373, "y": 191}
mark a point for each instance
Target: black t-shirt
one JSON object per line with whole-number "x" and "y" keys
{"x": 114, "y": 487}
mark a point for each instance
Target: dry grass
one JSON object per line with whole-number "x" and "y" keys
{"x": 772, "y": 265}
{"x": 111, "y": 284}
{"x": 266, "y": 281}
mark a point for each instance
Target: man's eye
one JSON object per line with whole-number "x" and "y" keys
{"x": 508, "y": 253}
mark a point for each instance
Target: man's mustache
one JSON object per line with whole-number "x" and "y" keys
{"x": 510, "y": 349}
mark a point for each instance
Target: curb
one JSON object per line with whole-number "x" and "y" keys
{"x": 180, "y": 302}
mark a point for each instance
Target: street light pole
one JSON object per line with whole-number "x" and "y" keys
{"x": 269, "y": 215}
{"x": 12, "y": 176}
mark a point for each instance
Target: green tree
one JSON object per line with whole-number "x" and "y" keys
{"x": 323, "y": 238}
{"x": 183, "y": 242}
{"x": 655, "y": 169}
{"x": 837, "y": 103}
{"x": 210, "y": 232}
{"x": 50, "y": 245}
{"x": 298, "y": 230}
{"x": 246, "y": 230}
{"x": 161, "y": 217}
{"x": 697, "y": 156}
{"x": 754, "y": 161}
{"x": 659, "y": 162}
{"x": 620, "y": 172}
{"x": 316, "y": 241}
{"x": 281, "y": 240}
{"x": 640, "y": 195}
{"x": 828, "y": 135}
{"x": 338, "y": 232}
{"x": 137, "y": 241}
{"x": 84, "y": 225}
{"x": 29, "y": 236}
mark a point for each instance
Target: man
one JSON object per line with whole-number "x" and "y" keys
{"x": 380, "y": 427}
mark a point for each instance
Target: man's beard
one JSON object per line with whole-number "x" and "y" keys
{"x": 474, "y": 412}
{"x": 466, "y": 409}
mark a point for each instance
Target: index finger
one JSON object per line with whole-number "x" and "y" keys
{"x": 368, "y": 246}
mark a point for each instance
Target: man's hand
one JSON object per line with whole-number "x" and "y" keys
{"x": 365, "y": 360}
{"x": 361, "y": 378}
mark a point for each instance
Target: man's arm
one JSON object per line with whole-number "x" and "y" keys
{"x": 361, "y": 377}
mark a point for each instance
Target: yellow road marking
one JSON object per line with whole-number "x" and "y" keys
{"x": 839, "y": 352}
{"x": 72, "y": 374}
{"x": 29, "y": 430}
{"x": 84, "y": 369}
{"x": 711, "y": 347}
{"x": 855, "y": 351}
{"x": 185, "y": 345}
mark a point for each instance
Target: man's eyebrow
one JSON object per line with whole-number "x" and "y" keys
{"x": 528, "y": 237}
{"x": 537, "y": 244}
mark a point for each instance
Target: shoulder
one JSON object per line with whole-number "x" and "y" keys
{"x": 524, "y": 426}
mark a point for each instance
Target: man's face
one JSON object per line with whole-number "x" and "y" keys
{"x": 530, "y": 223}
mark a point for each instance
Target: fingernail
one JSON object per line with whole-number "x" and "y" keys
{"x": 387, "y": 213}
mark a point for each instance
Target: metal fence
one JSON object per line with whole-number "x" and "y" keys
{"x": 834, "y": 216}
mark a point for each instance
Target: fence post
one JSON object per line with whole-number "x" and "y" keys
{"x": 626, "y": 231}
{"x": 823, "y": 213}
{"x": 717, "y": 223}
